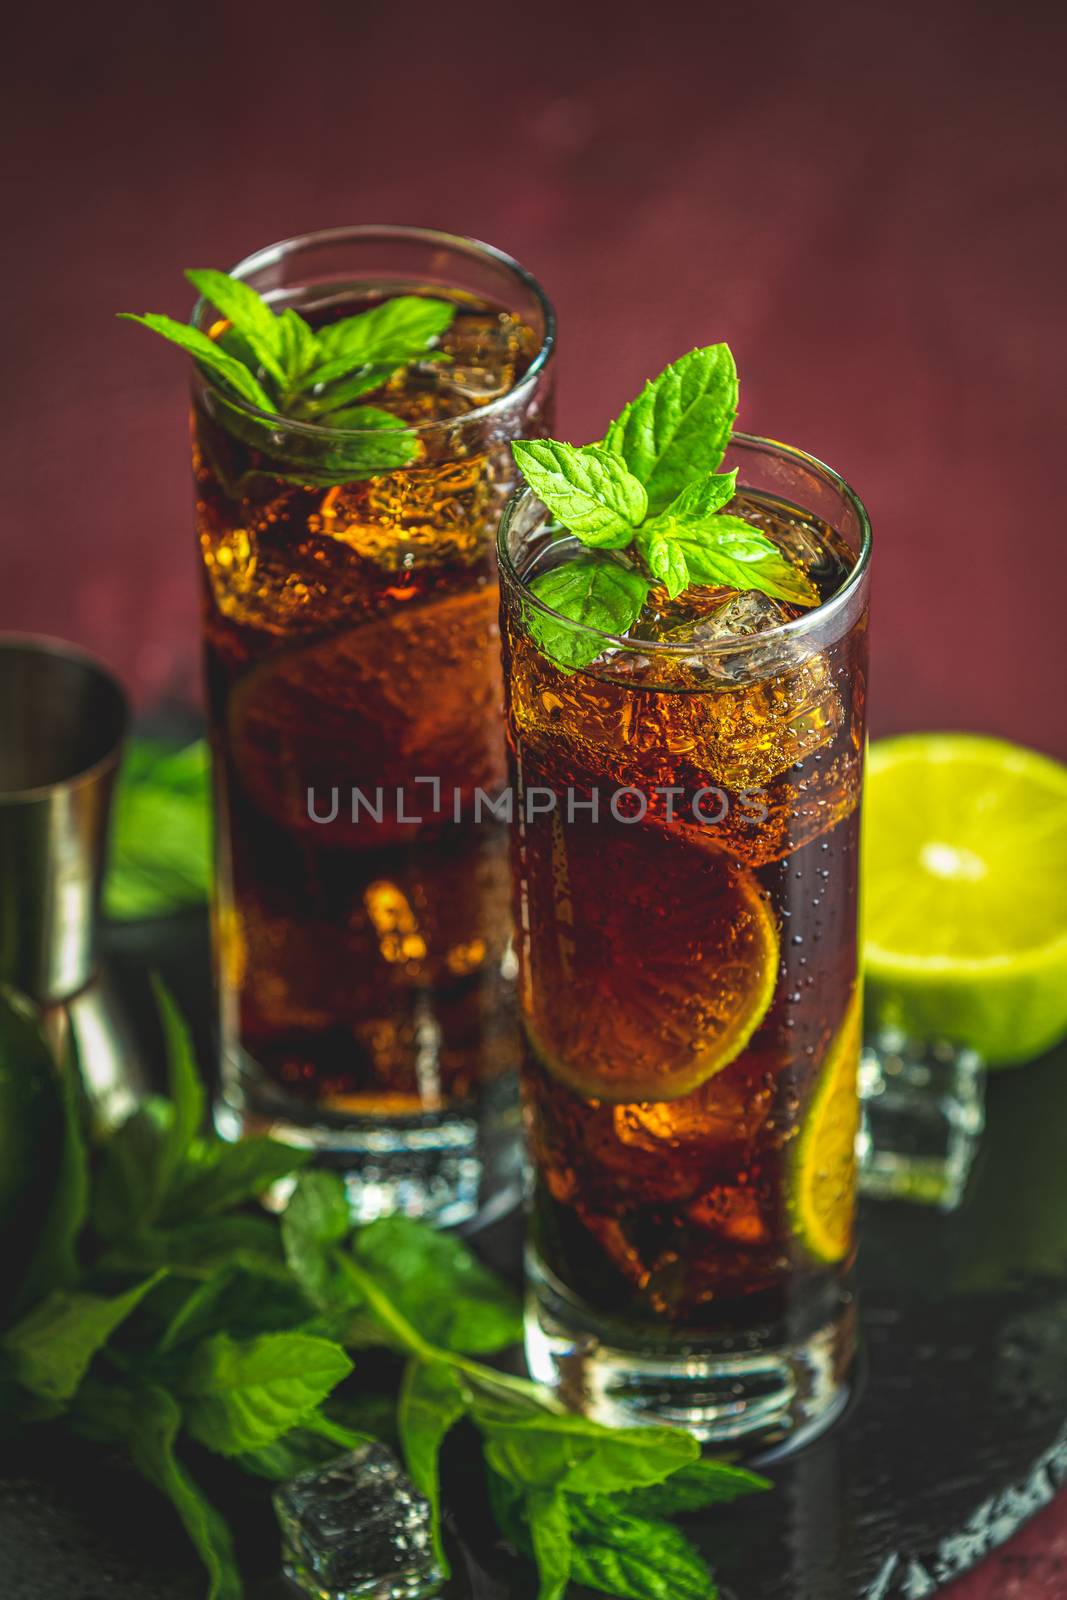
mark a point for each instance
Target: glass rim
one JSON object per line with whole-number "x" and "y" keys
{"x": 270, "y": 254}
{"x": 797, "y": 627}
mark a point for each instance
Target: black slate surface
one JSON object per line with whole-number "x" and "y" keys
{"x": 956, "y": 1433}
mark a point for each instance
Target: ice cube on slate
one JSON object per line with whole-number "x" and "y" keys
{"x": 357, "y": 1529}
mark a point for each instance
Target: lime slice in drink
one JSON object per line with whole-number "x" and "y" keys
{"x": 822, "y": 1175}
{"x": 656, "y": 963}
{"x": 965, "y": 890}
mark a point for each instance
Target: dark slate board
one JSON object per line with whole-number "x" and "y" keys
{"x": 956, "y": 1433}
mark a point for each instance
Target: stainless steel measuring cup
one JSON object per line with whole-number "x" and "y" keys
{"x": 63, "y": 720}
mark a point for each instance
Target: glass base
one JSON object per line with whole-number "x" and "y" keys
{"x": 923, "y": 1115}
{"x": 753, "y": 1388}
{"x": 448, "y": 1167}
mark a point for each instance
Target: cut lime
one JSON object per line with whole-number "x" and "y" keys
{"x": 965, "y": 891}
{"x": 655, "y": 963}
{"x": 822, "y": 1179}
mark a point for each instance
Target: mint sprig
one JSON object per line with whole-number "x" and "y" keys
{"x": 157, "y": 1319}
{"x": 279, "y": 363}
{"x": 679, "y": 426}
{"x": 651, "y": 489}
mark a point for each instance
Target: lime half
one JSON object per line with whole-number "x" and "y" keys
{"x": 965, "y": 893}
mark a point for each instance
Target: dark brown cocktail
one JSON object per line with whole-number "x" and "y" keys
{"x": 686, "y": 905}
{"x": 354, "y": 697}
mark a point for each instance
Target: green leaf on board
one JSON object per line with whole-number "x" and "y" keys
{"x": 241, "y": 1394}
{"x": 51, "y": 1346}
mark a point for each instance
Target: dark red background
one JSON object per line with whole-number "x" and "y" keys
{"x": 866, "y": 200}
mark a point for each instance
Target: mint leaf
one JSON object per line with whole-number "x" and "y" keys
{"x": 701, "y": 1483}
{"x": 152, "y": 1436}
{"x": 186, "y": 1094}
{"x": 298, "y": 348}
{"x": 315, "y": 1220}
{"x": 209, "y": 354}
{"x": 380, "y": 442}
{"x": 390, "y": 334}
{"x": 51, "y": 1347}
{"x": 549, "y": 1450}
{"x": 217, "y": 1176}
{"x": 142, "y": 1158}
{"x": 729, "y": 551}
{"x": 316, "y": 374}
{"x": 242, "y": 1394}
{"x": 125, "y": 1191}
{"x": 692, "y": 510}
{"x": 600, "y": 594}
{"x": 439, "y": 1285}
{"x": 665, "y": 559}
{"x": 160, "y": 855}
{"x": 587, "y": 489}
{"x": 371, "y": 418}
{"x": 335, "y": 396}
{"x": 200, "y": 1249}
{"x": 247, "y": 312}
{"x": 550, "y": 1534}
{"x": 431, "y": 1403}
{"x": 701, "y": 499}
{"x": 633, "y": 1558}
{"x": 679, "y": 426}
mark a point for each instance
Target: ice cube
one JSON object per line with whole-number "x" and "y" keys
{"x": 745, "y": 614}
{"x": 739, "y": 617}
{"x": 357, "y": 1530}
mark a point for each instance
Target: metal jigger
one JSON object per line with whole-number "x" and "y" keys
{"x": 63, "y": 720}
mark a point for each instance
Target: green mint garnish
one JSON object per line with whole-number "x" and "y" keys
{"x": 159, "y": 1310}
{"x": 603, "y": 594}
{"x": 232, "y": 369}
{"x": 588, "y": 488}
{"x": 738, "y": 556}
{"x": 650, "y": 489}
{"x": 277, "y": 362}
{"x": 679, "y": 426}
